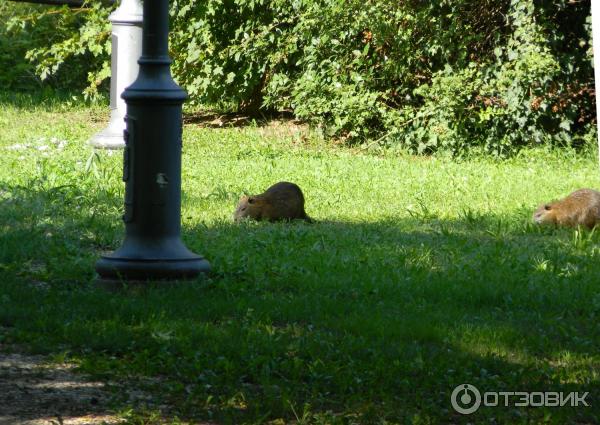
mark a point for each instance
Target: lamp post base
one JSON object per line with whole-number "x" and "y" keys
{"x": 127, "y": 270}
{"x": 108, "y": 140}
{"x": 112, "y": 136}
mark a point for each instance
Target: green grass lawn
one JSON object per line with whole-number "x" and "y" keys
{"x": 420, "y": 274}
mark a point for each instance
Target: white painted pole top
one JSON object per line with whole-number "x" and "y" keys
{"x": 126, "y": 49}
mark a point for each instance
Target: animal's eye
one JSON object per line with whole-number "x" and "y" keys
{"x": 547, "y": 207}
{"x": 244, "y": 209}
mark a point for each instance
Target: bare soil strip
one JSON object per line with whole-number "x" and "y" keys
{"x": 34, "y": 392}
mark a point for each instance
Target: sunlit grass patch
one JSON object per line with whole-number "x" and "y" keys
{"x": 419, "y": 274}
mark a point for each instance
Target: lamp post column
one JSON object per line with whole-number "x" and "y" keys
{"x": 126, "y": 45}
{"x": 152, "y": 248}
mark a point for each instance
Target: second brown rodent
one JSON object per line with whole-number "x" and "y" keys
{"x": 282, "y": 201}
{"x": 580, "y": 208}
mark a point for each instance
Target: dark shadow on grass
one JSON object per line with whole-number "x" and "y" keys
{"x": 52, "y": 233}
{"x": 335, "y": 321}
{"x": 216, "y": 119}
{"x": 44, "y": 98}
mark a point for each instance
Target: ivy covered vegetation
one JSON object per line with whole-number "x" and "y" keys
{"x": 421, "y": 76}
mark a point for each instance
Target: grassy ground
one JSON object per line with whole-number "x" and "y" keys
{"x": 420, "y": 274}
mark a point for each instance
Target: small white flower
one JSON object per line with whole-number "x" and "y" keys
{"x": 17, "y": 147}
{"x": 42, "y": 148}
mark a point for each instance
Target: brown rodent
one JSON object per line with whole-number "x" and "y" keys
{"x": 581, "y": 207}
{"x": 282, "y": 201}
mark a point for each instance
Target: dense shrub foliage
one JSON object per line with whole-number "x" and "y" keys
{"x": 66, "y": 49}
{"x": 424, "y": 76}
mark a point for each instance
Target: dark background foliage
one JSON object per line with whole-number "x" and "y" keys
{"x": 450, "y": 75}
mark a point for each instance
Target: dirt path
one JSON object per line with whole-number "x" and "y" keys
{"x": 34, "y": 393}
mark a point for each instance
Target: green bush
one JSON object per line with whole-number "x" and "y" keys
{"x": 67, "y": 49}
{"x": 451, "y": 75}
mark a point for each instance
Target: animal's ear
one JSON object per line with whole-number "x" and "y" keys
{"x": 547, "y": 207}
{"x": 251, "y": 200}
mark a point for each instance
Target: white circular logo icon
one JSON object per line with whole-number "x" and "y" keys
{"x": 466, "y": 399}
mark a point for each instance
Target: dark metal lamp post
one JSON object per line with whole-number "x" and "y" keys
{"x": 152, "y": 249}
